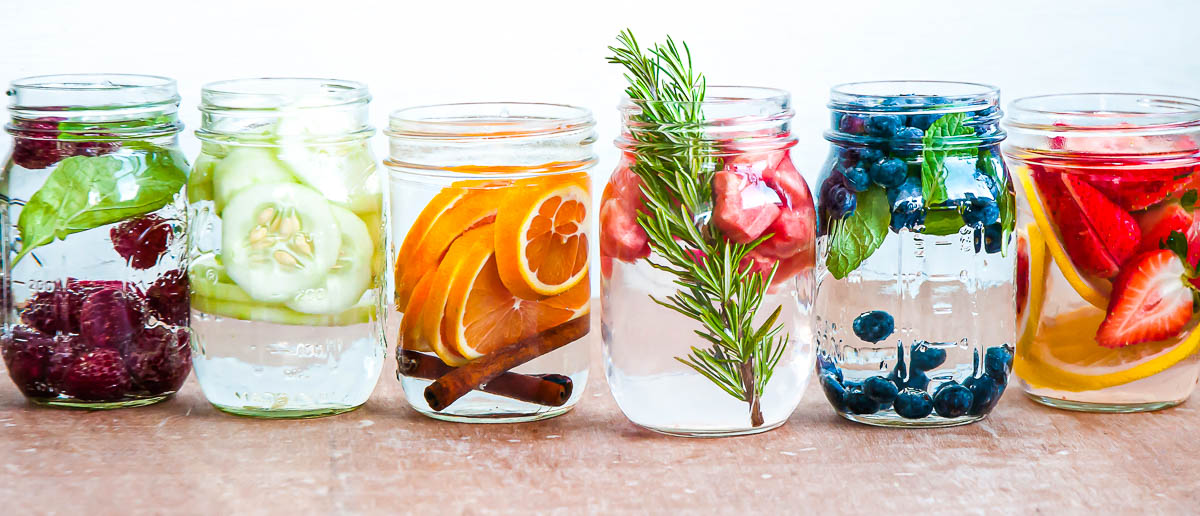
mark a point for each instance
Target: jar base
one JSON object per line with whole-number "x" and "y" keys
{"x": 69, "y": 403}
{"x": 703, "y": 434}
{"x": 495, "y": 417}
{"x": 899, "y": 422}
{"x": 285, "y": 414}
{"x": 1110, "y": 408}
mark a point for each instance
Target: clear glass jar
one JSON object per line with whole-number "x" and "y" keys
{"x": 286, "y": 248}
{"x": 95, "y": 299}
{"x": 914, "y": 308}
{"x": 1104, "y": 295}
{"x": 490, "y": 204}
{"x": 656, "y": 357}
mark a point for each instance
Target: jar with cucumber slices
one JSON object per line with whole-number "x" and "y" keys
{"x": 286, "y": 254}
{"x": 491, "y": 207}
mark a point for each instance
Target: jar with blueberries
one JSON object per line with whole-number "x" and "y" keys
{"x": 916, "y": 259}
{"x": 94, "y": 250}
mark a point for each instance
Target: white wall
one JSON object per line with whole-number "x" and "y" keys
{"x": 426, "y": 52}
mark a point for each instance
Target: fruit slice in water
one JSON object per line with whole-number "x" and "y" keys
{"x": 1029, "y": 312}
{"x": 463, "y": 258}
{"x": 278, "y": 239}
{"x": 1142, "y": 192}
{"x": 245, "y": 167}
{"x": 200, "y": 180}
{"x": 344, "y": 284}
{"x": 1098, "y": 234}
{"x": 344, "y": 173}
{"x": 541, "y": 236}
{"x": 1151, "y": 300}
{"x": 1095, "y": 293}
{"x": 443, "y": 201}
{"x": 358, "y": 314}
{"x": 409, "y": 324}
{"x": 1065, "y": 359}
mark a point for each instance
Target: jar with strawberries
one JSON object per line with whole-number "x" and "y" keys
{"x": 490, "y": 209}
{"x": 95, "y": 290}
{"x": 916, "y": 256}
{"x": 1107, "y": 283}
{"x": 706, "y": 251}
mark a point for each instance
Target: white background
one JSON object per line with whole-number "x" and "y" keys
{"x": 413, "y": 53}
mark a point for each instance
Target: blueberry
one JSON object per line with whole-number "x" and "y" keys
{"x": 912, "y": 404}
{"x": 988, "y": 182}
{"x": 852, "y": 124}
{"x": 874, "y": 326}
{"x": 869, "y": 156}
{"x": 993, "y": 237}
{"x": 841, "y": 201}
{"x": 984, "y": 394}
{"x": 859, "y": 403}
{"x": 921, "y": 122}
{"x": 834, "y": 391}
{"x": 980, "y": 211}
{"x": 826, "y": 365}
{"x": 880, "y": 389}
{"x": 952, "y": 400}
{"x": 884, "y": 126}
{"x": 908, "y": 205}
{"x": 908, "y": 141}
{"x": 858, "y": 178}
{"x": 926, "y": 357}
{"x": 917, "y": 380}
{"x": 889, "y": 173}
{"x": 847, "y": 157}
{"x": 997, "y": 363}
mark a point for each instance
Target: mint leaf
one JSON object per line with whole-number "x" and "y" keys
{"x": 942, "y": 222}
{"x": 857, "y": 236}
{"x": 933, "y": 155}
{"x": 88, "y": 192}
{"x": 991, "y": 165}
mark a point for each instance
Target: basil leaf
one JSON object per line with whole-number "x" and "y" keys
{"x": 943, "y": 222}
{"x": 934, "y": 153}
{"x": 857, "y": 236}
{"x": 88, "y": 192}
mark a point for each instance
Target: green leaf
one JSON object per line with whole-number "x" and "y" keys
{"x": 993, "y": 167}
{"x": 934, "y": 153}
{"x": 943, "y": 222}
{"x": 860, "y": 234}
{"x": 1188, "y": 201}
{"x": 87, "y": 192}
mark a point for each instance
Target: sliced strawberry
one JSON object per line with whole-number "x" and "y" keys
{"x": 1098, "y": 235}
{"x": 1158, "y": 223}
{"x": 1022, "y": 273}
{"x": 1145, "y": 189}
{"x": 1150, "y": 301}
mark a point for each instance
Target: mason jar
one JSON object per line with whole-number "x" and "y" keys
{"x": 916, "y": 259}
{"x": 707, "y": 289}
{"x": 491, "y": 204}
{"x": 94, "y": 219}
{"x": 287, "y": 248}
{"x": 1109, "y": 246}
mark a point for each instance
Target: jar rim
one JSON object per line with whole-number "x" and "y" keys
{"x": 487, "y": 120}
{"x": 939, "y": 96}
{"x": 94, "y": 90}
{"x": 723, "y": 94}
{"x": 1094, "y": 109}
{"x": 274, "y": 93}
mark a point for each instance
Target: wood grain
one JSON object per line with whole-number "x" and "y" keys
{"x": 183, "y": 457}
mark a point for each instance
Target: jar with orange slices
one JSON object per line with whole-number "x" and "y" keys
{"x": 1109, "y": 243}
{"x": 491, "y": 205}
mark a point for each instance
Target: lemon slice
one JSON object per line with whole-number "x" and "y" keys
{"x": 1036, "y": 296}
{"x": 1064, "y": 357}
{"x": 1082, "y": 286}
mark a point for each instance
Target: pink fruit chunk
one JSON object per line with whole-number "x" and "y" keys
{"x": 621, "y": 237}
{"x": 743, "y": 205}
{"x": 168, "y": 298}
{"x": 109, "y": 318}
{"x": 794, "y": 229}
{"x": 159, "y": 359}
{"x": 36, "y": 144}
{"x": 141, "y": 241}
{"x": 97, "y": 375}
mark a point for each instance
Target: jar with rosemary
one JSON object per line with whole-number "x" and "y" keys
{"x": 707, "y": 242}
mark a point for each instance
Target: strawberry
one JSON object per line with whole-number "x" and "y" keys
{"x": 1151, "y": 300}
{"x": 1158, "y": 223}
{"x": 1022, "y": 273}
{"x": 1138, "y": 188}
{"x": 1098, "y": 235}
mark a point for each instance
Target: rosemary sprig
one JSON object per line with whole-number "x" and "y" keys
{"x": 676, "y": 165}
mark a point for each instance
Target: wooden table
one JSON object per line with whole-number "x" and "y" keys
{"x": 184, "y": 457}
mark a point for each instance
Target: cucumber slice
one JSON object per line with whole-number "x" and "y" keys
{"x": 344, "y": 284}
{"x": 344, "y": 172}
{"x": 374, "y": 222}
{"x": 278, "y": 239}
{"x": 245, "y": 167}
{"x": 200, "y": 181}
{"x": 207, "y": 278}
{"x": 358, "y": 314}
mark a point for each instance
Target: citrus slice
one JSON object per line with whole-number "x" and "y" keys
{"x": 409, "y": 323}
{"x": 541, "y": 236}
{"x": 1064, "y": 357}
{"x": 462, "y": 259}
{"x": 1031, "y": 314}
{"x": 1086, "y": 289}
{"x": 483, "y": 316}
{"x": 446, "y": 218}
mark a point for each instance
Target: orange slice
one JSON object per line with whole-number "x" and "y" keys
{"x": 541, "y": 236}
{"x": 483, "y": 316}
{"x": 409, "y": 327}
{"x": 1030, "y": 317}
{"x": 460, "y": 260}
{"x": 1063, "y": 356}
{"x": 447, "y": 219}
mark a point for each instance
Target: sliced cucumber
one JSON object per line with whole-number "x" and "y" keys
{"x": 344, "y": 284}
{"x": 207, "y": 278}
{"x": 278, "y": 239}
{"x": 245, "y": 167}
{"x": 200, "y": 181}
{"x": 344, "y": 172}
{"x": 358, "y": 314}
{"x": 374, "y": 222}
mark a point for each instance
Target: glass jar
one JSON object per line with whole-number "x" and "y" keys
{"x": 914, "y": 308}
{"x": 286, "y": 251}
{"x": 491, "y": 206}
{"x": 95, "y": 299}
{"x": 748, "y": 227}
{"x": 1108, "y": 249}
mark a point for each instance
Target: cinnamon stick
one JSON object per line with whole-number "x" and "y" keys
{"x": 457, "y": 383}
{"x": 551, "y": 390}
